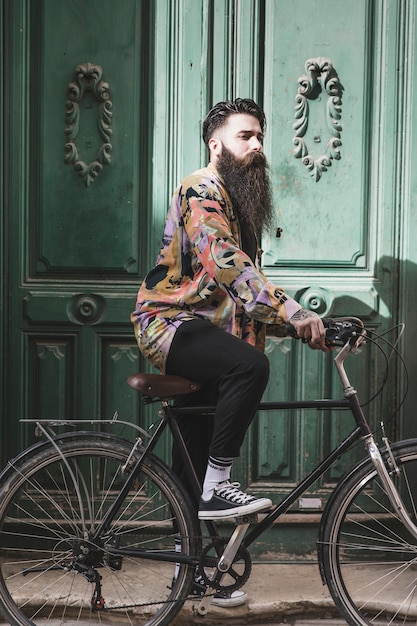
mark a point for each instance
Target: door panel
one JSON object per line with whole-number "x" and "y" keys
{"x": 336, "y": 246}
{"x": 77, "y": 259}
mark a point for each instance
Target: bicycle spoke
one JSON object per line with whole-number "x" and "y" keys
{"x": 370, "y": 558}
{"x": 51, "y": 572}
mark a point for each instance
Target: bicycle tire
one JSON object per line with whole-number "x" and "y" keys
{"x": 368, "y": 558}
{"x": 51, "y": 573}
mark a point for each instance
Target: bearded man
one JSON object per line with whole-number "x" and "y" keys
{"x": 202, "y": 310}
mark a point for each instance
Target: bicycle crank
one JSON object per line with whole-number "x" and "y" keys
{"x": 234, "y": 577}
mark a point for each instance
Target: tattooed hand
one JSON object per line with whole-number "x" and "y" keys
{"x": 310, "y": 328}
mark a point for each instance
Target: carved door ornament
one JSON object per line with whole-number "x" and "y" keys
{"x": 87, "y": 85}
{"x": 321, "y": 79}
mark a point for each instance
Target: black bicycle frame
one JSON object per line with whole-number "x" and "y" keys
{"x": 168, "y": 414}
{"x": 350, "y": 403}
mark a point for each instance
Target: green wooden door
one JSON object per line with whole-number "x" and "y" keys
{"x": 330, "y": 93}
{"x": 77, "y": 150}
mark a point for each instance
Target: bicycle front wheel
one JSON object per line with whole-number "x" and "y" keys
{"x": 53, "y": 569}
{"x": 368, "y": 557}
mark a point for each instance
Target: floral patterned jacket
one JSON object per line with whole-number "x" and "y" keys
{"x": 201, "y": 271}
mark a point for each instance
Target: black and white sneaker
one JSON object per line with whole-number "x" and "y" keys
{"x": 225, "y": 599}
{"x": 229, "y": 501}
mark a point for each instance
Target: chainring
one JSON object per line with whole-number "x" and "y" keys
{"x": 237, "y": 574}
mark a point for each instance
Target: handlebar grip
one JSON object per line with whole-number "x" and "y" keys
{"x": 290, "y": 330}
{"x": 338, "y": 331}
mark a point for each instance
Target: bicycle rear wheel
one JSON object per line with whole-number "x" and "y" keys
{"x": 368, "y": 558}
{"x": 50, "y": 569}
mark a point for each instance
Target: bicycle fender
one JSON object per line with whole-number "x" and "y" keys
{"x": 11, "y": 464}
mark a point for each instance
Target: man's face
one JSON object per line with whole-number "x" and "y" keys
{"x": 238, "y": 156}
{"x": 241, "y": 135}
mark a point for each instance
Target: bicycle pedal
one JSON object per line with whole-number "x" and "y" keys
{"x": 251, "y": 518}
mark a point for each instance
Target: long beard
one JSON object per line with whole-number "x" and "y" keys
{"x": 248, "y": 184}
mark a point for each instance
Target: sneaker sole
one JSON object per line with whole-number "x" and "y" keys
{"x": 226, "y": 603}
{"x": 255, "y": 507}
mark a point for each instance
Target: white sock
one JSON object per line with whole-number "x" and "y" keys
{"x": 218, "y": 470}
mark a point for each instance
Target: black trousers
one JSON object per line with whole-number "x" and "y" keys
{"x": 234, "y": 374}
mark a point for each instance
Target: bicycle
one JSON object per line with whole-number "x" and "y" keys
{"x": 94, "y": 527}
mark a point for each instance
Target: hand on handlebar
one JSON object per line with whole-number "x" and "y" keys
{"x": 338, "y": 331}
{"x": 310, "y": 329}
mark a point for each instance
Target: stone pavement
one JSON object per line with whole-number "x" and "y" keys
{"x": 290, "y": 593}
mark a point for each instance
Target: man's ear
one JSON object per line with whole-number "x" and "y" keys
{"x": 215, "y": 146}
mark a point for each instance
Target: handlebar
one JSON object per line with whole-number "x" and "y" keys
{"x": 339, "y": 331}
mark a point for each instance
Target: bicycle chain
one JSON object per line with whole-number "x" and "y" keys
{"x": 218, "y": 545}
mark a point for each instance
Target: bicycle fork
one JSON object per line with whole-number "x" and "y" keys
{"x": 388, "y": 483}
{"x": 373, "y": 450}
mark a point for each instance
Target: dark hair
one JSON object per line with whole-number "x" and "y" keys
{"x": 218, "y": 115}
